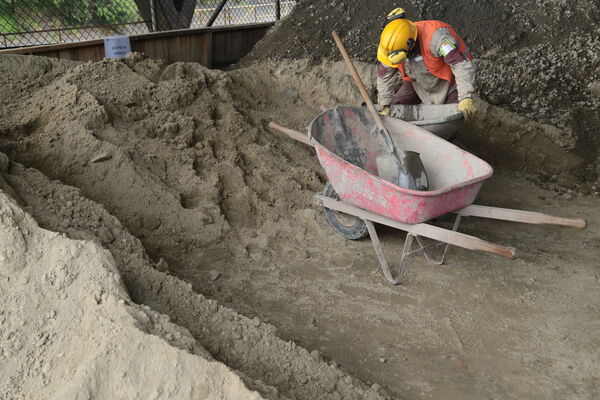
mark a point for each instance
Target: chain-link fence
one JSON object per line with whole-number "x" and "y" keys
{"x": 39, "y": 22}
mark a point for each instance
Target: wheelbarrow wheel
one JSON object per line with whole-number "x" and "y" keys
{"x": 349, "y": 226}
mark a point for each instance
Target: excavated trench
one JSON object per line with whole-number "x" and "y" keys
{"x": 210, "y": 220}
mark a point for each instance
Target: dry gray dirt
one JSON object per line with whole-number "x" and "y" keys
{"x": 210, "y": 221}
{"x": 69, "y": 330}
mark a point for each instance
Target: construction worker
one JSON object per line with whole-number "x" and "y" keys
{"x": 423, "y": 62}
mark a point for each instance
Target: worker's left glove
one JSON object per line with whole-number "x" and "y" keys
{"x": 385, "y": 110}
{"x": 467, "y": 107}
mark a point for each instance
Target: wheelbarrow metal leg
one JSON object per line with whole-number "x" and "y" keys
{"x": 407, "y": 253}
{"x": 428, "y": 256}
{"x": 385, "y": 268}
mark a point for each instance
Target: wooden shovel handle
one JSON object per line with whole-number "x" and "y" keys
{"x": 294, "y": 134}
{"x": 358, "y": 80}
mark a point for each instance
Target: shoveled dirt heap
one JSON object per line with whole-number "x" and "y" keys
{"x": 537, "y": 58}
{"x": 169, "y": 155}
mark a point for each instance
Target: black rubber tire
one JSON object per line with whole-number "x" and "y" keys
{"x": 349, "y": 226}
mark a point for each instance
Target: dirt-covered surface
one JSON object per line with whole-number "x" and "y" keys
{"x": 540, "y": 59}
{"x": 210, "y": 221}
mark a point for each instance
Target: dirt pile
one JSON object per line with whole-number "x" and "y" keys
{"x": 70, "y": 330}
{"x": 187, "y": 170}
{"x": 186, "y": 161}
{"x": 536, "y": 58}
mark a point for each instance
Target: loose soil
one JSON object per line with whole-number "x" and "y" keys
{"x": 210, "y": 221}
{"x": 70, "y": 330}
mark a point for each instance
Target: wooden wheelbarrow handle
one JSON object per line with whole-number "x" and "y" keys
{"x": 527, "y": 217}
{"x": 294, "y": 134}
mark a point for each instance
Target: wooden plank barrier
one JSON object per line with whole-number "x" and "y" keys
{"x": 213, "y": 47}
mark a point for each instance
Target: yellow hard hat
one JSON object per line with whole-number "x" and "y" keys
{"x": 397, "y": 38}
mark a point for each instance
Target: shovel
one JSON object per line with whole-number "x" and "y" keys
{"x": 405, "y": 168}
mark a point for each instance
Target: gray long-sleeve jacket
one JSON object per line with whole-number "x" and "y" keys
{"x": 431, "y": 89}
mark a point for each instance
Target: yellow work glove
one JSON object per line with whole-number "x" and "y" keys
{"x": 385, "y": 110}
{"x": 467, "y": 108}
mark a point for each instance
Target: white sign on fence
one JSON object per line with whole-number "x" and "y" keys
{"x": 116, "y": 46}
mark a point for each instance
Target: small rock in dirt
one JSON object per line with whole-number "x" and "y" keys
{"x": 315, "y": 355}
{"x": 214, "y": 307}
{"x": 494, "y": 99}
{"x": 101, "y": 157}
{"x": 214, "y": 275}
{"x": 567, "y": 196}
{"x": 382, "y": 360}
{"x": 151, "y": 222}
{"x": 330, "y": 384}
{"x": 162, "y": 265}
{"x": 105, "y": 235}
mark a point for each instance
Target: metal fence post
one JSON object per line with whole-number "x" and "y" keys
{"x": 277, "y": 10}
{"x": 153, "y": 15}
{"x": 216, "y": 13}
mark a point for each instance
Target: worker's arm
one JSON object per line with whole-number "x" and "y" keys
{"x": 444, "y": 45}
{"x": 464, "y": 74}
{"x": 387, "y": 84}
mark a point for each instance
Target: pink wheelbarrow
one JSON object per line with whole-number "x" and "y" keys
{"x": 347, "y": 143}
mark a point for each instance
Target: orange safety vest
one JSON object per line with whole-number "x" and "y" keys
{"x": 436, "y": 65}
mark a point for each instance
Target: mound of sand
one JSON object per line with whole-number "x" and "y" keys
{"x": 70, "y": 330}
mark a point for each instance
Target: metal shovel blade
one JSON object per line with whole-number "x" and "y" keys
{"x": 411, "y": 175}
{"x": 416, "y": 170}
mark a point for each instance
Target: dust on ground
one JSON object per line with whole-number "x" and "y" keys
{"x": 210, "y": 220}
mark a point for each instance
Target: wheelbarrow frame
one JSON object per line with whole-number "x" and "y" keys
{"x": 440, "y": 236}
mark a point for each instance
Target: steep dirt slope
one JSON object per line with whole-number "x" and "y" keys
{"x": 70, "y": 330}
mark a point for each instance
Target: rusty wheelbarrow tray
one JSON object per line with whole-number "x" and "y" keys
{"x": 347, "y": 143}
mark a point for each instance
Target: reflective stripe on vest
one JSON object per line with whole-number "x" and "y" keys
{"x": 436, "y": 65}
